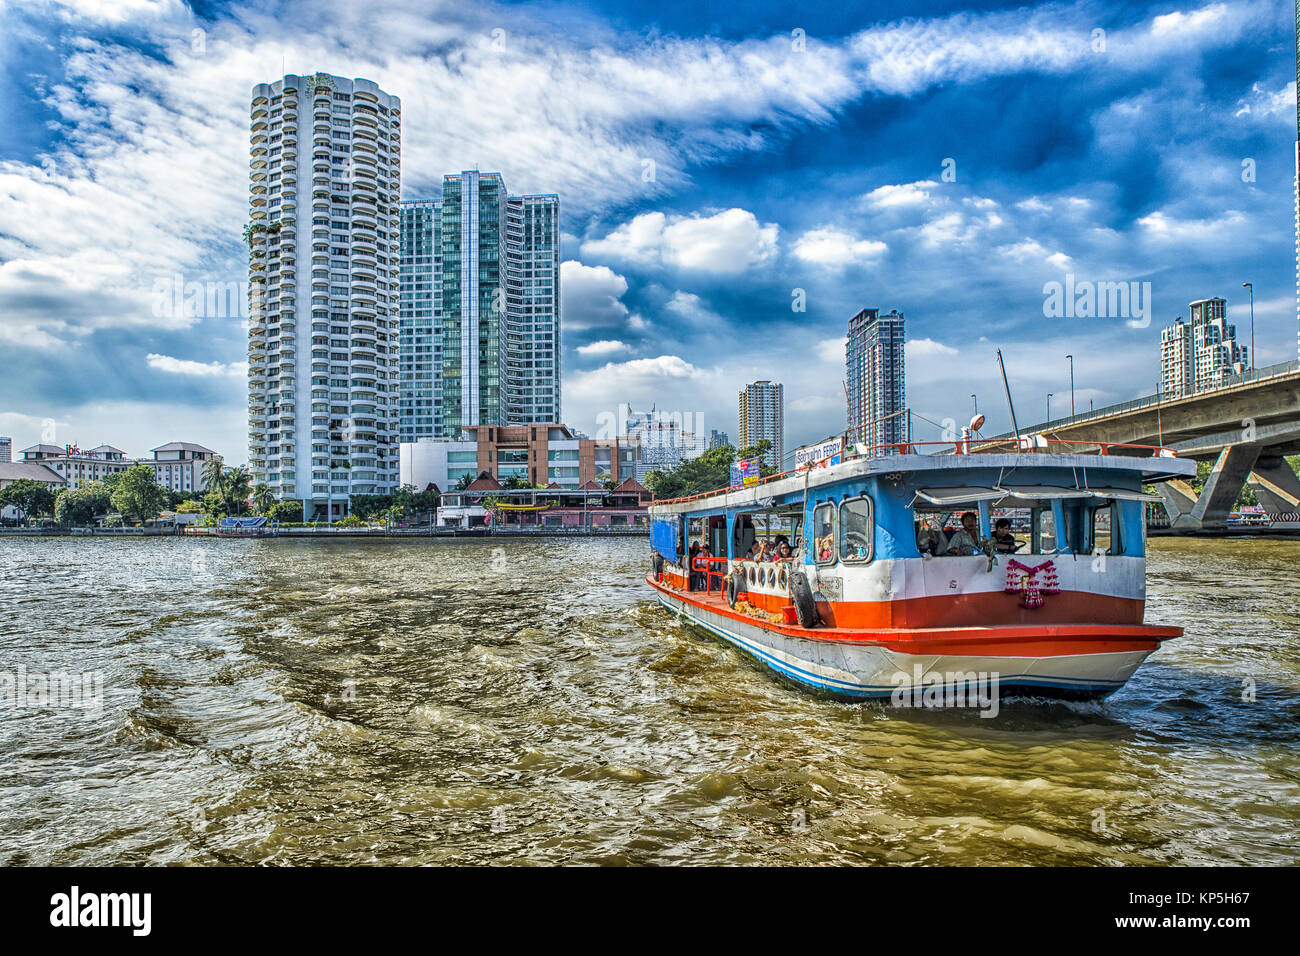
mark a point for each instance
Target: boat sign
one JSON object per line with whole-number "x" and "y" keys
{"x": 823, "y": 453}
{"x": 744, "y": 472}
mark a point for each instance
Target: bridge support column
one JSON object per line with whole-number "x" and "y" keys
{"x": 1222, "y": 487}
{"x": 1179, "y": 498}
{"x": 1275, "y": 485}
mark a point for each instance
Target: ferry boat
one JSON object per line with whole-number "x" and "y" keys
{"x": 875, "y": 599}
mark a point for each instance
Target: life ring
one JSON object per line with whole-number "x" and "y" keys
{"x": 805, "y": 607}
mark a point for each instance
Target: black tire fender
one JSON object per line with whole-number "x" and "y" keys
{"x": 657, "y": 563}
{"x": 805, "y": 607}
{"x": 735, "y": 587}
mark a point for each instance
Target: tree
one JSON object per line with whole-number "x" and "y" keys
{"x": 285, "y": 511}
{"x": 30, "y": 497}
{"x": 262, "y": 499}
{"x": 79, "y": 507}
{"x": 708, "y": 472}
{"x": 237, "y": 486}
{"x": 464, "y": 481}
{"x": 212, "y": 472}
{"x": 138, "y": 495}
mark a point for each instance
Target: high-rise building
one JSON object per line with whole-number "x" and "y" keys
{"x": 762, "y": 416}
{"x": 1297, "y": 173}
{"x": 1218, "y": 358}
{"x": 877, "y": 389}
{"x": 420, "y": 358}
{"x": 1176, "y": 366}
{"x": 480, "y": 308}
{"x": 6, "y": 449}
{"x": 717, "y": 439}
{"x": 324, "y": 183}
{"x": 1201, "y": 354}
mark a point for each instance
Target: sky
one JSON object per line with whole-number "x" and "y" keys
{"x": 736, "y": 182}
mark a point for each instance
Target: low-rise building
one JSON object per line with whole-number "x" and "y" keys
{"x": 591, "y": 507}
{"x": 11, "y": 471}
{"x": 78, "y": 467}
{"x": 540, "y": 454}
{"x": 179, "y": 465}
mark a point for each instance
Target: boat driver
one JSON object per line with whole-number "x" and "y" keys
{"x": 966, "y": 539}
{"x": 1003, "y": 541}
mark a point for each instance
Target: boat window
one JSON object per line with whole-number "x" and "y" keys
{"x": 1044, "y": 531}
{"x": 823, "y": 534}
{"x": 1020, "y": 532}
{"x": 857, "y": 531}
{"x": 1106, "y": 528}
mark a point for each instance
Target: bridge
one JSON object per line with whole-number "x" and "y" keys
{"x": 1245, "y": 427}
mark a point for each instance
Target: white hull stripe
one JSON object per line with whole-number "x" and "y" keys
{"x": 815, "y": 675}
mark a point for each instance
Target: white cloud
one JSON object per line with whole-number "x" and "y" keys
{"x": 906, "y": 194}
{"x": 927, "y": 349}
{"x": 833, "y": 350}
{"x": 691, "y": 306}
{"x": 834, "y": 247}
{"x": 165, "y": 363}
{"x": 728, "y": 241}
{"x": 591, "y": 296}
{"x": 603, "y": 347}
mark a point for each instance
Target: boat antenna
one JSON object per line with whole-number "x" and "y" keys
{"x": 1014, "y": 427}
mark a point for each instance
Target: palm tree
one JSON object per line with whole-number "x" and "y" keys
{"x": 262, "y": 499}
{"x": 212, "y": 472}
{"x": 236, "y": 485}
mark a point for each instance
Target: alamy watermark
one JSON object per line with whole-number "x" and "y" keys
{"x": 51, "y": 690}
{"x": 1085, "y": 299}
{"x": 950, "y": 689}
{"x": 175, "y": 298}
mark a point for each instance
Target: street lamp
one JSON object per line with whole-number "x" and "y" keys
{"x": 1251, "y": 287}
{"x": 1049, "y": 406}
{"x": 1071, "y": 358}
{"x": 976, "y": 403}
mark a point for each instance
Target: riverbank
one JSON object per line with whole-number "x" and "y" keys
{"x": 191, "y": 532}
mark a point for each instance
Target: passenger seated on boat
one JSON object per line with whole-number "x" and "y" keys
{"x": 781, "y": 549}
{"x": 930, "y": 540}
{"x": 966, "y": 540}
{"x": 1003, "y": 541}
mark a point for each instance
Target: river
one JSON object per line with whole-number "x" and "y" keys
{"x": 473, "y": 701}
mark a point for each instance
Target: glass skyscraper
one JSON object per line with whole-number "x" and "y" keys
{"x": 480, "y": 318}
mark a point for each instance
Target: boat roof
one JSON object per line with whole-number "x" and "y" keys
{"x": 947, "y": 471}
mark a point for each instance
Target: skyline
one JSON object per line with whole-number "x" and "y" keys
{"x": 708, "y": 173}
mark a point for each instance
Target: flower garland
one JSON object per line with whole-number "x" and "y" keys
{"x": 1022, "y": 579}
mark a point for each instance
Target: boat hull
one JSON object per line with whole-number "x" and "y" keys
{"x": 856, "y": 668}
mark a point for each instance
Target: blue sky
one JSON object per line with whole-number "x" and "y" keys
{"x": 714, "y": 164}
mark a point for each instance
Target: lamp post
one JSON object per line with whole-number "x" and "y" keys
{"x": 1251, "y": 287}
{"x": 1071, "y": 358}
{"x": 1049, "y": 407}
{"x": 976, "y": 403}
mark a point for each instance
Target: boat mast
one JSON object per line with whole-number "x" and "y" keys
{"x": 1014, "y": 427}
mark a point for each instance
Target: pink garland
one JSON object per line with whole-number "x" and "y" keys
{"x": 1026, "y": 582}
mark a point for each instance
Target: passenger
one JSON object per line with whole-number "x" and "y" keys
{"x": 966, "y": 540}
{"x": 756, "y": 550}
{"x": 1003, "y": 541}
{"x": 783, "y": 550}
{"x": 826, "y": 544}
{"x": 930, "y": 540}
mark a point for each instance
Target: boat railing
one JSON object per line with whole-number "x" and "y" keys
{"x": 711, "y": 568}
{"x": 1026, "y": 445}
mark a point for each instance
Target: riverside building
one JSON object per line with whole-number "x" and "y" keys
{"x": 323, "y": 233}
{"x": 480, "y": 308}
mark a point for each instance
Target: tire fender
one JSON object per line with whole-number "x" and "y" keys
{"x": 805, "y": 607}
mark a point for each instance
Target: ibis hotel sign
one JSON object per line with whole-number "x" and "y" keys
{"x": 823, "y": 453}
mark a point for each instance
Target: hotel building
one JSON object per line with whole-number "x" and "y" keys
{"x": 324, "y": 183}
